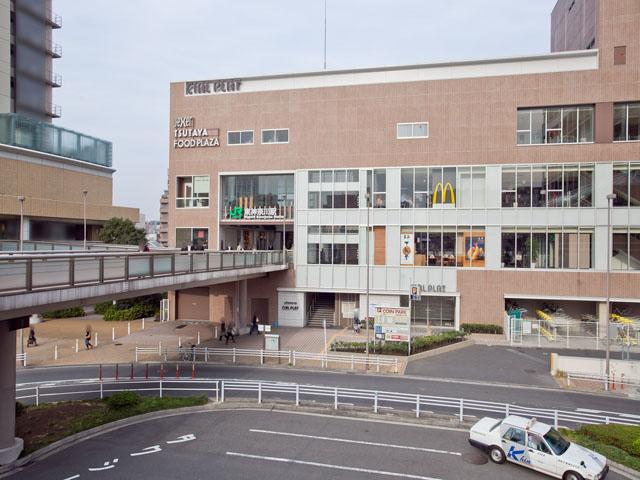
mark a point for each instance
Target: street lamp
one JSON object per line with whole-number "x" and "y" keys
{"x": 366, "y": 314}
{"x": 610, "y": 198}
{"x": 84, "y": 218}
{"x": 284, "y": 233}
{"x": 21, "y": 200}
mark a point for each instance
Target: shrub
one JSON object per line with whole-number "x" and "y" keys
{"x": 625, "y": 437}
{"x": 20, "y": 408}
{"x": 65, "y": 313}
{"x": 101, "y": 308}
{"x": 481, "y": 328}
{"x": 418, "y": 344}
{"x": 122, "y": 400}
{"x": 129, "y": 309}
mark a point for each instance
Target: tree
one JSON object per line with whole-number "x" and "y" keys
{"x": 121, "y": 231}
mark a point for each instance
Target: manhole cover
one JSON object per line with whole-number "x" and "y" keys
{"x": 529, "y": 370}
{"x": 475, "y": 458}
{"x": 118, "y": 344}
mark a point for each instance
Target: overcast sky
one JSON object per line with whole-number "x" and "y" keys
{"x": 119, "y": 57}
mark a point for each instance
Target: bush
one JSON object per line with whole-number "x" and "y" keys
{"x": 481, "y": 328}
{"x": 624, "y": 437}
{"x": 129, "y": 309}
{"x": 19, "y": 408}
{"x": 122, "y": 400}
{"x": 101, "y": 308}
{"x": 418, "y": 344}
{"x": 65, "y": 313}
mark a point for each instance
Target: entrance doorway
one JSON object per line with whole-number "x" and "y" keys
{"x": 260, "y": 308}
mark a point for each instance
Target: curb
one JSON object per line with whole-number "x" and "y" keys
{"x": 624, "y": 471}
{"x": 438, "y": 351}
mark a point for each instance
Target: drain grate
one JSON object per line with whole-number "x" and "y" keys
{"x": 475, "y": 458}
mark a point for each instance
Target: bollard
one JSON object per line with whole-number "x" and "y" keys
{"x": 179, "y": 342}
{"x": 96, "y": 339}
{"x": 131, "y": 372}
{"x": 128, "y": 328}
{"x": 55, "y": 352}
{"x": 198, "y": 338}
{"x": 160, "y": 348}
{"x": 613, "y": 381}
{"x": 143, "y": 324}
{"x": 136, "y": 354}
{"x": 113, "y": 334}
{"x": 193, "y": 370}
{"x": 622, "y": 381}
{"x": 146, "y": 372}
{"x": 76, "y": 345}
{"x": 206, "y": 355}
{"x": 161, "y": 371}
{"x": 117, "y": 371}
{"x": 177, "y": 370}
{"x": 261, "y": 357}
{"x": 234, "y": 354}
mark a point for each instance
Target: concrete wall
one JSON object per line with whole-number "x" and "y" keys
{"x": 596, "y": 366}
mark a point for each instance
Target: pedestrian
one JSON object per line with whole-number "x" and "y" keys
{"x": 254, "y": 325}
{"x": 31, "y": 341}
{"x": 87, "y": 340}
{"x": 223, "y": 330}
{"x": 230, "y": 335}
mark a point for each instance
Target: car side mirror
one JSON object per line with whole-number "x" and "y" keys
{"x": 582, "y": 464}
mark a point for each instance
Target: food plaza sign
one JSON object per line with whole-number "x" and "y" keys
{"x": 186, "y": 135}
{"x": 212, "y": 87}
{"x": 260, "y": 213}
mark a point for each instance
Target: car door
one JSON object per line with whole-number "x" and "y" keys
{"x": 513, "y": 444}
{"x": 540, "y": 454}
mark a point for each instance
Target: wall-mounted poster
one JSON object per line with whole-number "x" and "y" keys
{"x": 474, "y": 249}
{"x": 406, "y": 249}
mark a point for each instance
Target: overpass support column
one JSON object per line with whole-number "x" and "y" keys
{"x": 244, "y": 306}
{"x": 171, "y": 295}
{"x": 602, "y": 319}
{"x": 10, "y": 446}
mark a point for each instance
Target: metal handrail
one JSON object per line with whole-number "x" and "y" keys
{"x": 72, "y": 268}
{"x": 335, "y": 396}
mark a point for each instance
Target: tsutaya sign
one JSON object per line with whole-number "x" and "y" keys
{"x": 212, "y": 87}
{"x": 186, "y": 135}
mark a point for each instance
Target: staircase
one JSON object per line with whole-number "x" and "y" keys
{"x": 323, "y": 309}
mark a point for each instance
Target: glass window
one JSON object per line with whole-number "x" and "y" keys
{"x": 314, "y": 200}
{"x": 621, "y": 185}
{"x": 478, "y": 187}
{"x": 352, "y": 229}
{"x": 620, "y": 123}
{"x": 339, "y": 199}
{"x": 554, "y": 125}
{"x": 327, "y": 200}
{"x": 449, "y": 249}
{"x": 634, "y": 185}
{"x": 434, "y": 239}
{"x": 556, "y": 442}
{"x": 539, "y": 250}
{"x": 352, "y": 199}
{"x": 314, "y": 176}
{"x": 268, "y": 136}
{"x": 406, "y": 188}
{"x": 313, "y": 253}
{"x": 338, "y": 253}
{"x": 539, "y": 186}
{"x": 380, "y": 180}
{"x": 508, "y": 249}
{"x": 339, "y": 229}
{"x": 524, "y": 127}
{"x": 412, "y": 130}
{"x": 404, "y": 130}
{"x": 244, "y": 137}
{"x": 554, "y": 249}
{"x": 570, "y": 125}
{"x": 325, "y": 254}
{"x": 422, "y": 197}
{"x": 586, "y": 185}
{"x": 514, "y": 435}
{"x": 326, "y": 229}
{"x": 233, "y": 138}
{"x": 523, "y": 192}
{"x": 537, "y": 127}
{"x": 282, "y": 135}
{"x": 570, "y": 251}
{"x": 508, "y": 186}
{"x": 554, "y": 191}
{"x": 313, "y": 229}
{"x": 465, "y": 191}
{"x": 353, "y": 176}
{"x": 633, "y": 120}
{"x": 340, "y": 176}
{"x": 327, "y": 176}
{"x": 634, "y": 249}
{"x": 570, "y": 186}
{"x": 620, "y": 250}
{"x": 585, "y": 254}
{"x": 183, "y": 237}
{"x": 523, "y": 250}
{"x": 192, "y": 192}
{"x": 352, "y": 254}
{"x": 585, "y": 125}
{"x": 379, "y": 200}
{"x": 626, "y": 122}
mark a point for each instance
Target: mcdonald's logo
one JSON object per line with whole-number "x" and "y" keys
{"x": 443, "y": 193}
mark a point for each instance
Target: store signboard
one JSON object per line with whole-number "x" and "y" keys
{"x": 406, "y": 249}
{"x": 187, "y": 135}
{"x": 260, "y": 213}
{"x": 391, "y": 324}
{"x": 212, "y": 87}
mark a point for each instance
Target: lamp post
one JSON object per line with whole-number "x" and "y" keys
{"x": 84, "y": 219}
{"x": 366, "y": 314}
{"x": 284, "y": 234}
{"x": 610, "y": 198}
{"x": 21, "y": 200}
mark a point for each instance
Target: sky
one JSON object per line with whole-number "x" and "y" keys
{"x": 119, "y": 57}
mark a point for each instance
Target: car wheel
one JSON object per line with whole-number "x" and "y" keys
{"x": 497, "y": 455}
{"x": 572, "y": 476}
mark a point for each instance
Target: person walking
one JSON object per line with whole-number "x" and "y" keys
{"x": 223, "y": 330}
{"x": 87, "y": 340}
{"x": 254, "y": 325}
{"x": 31, "y": 341}
{"x": 230, "y": 335}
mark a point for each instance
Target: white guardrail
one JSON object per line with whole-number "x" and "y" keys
{"x": 378, "y": 400}
{"x": 207, "y": 354}
{"x": 609, "y": 383}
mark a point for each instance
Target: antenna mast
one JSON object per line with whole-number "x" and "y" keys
{"x": 325, "y": 34}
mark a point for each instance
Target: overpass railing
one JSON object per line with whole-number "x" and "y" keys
{"x": 26, "y": 273}
{"x": 32, "y": 246}
{"x": 333, "y": 397}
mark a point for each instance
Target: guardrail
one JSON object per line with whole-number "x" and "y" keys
{"x": 26, "y": 273}
{"x": 205, "y": 354}
{"x": 609, "y": 382}
{"x": 22, "y": 358}
{"x": 334, "y": 396}
{"x": 33, "y": 246}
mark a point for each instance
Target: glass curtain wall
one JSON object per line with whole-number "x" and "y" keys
{"x": 568, "y": 248}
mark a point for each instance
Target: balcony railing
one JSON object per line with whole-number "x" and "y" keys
{"x": 192, "y": 202}
{"x": 31, "y": 134}
{"x": 54, "y": 79}
{"x": 54, "y": 111}
{"x": 54, "y": 49}
{"x": 53, "y": 19}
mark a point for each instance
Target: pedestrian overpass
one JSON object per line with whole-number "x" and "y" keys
{"x": 39, "y": 282}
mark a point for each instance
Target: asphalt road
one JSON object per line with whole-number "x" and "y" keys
{"x": 270, "y": 445}
{"x": 476, "y": 390}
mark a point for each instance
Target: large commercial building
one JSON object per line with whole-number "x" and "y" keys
{"x": 487, "y": 180}
{"x": 50, "y": 176}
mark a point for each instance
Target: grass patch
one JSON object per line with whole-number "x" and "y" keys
{"x": 619, "y": 443}
{"x": 48, "y": 423}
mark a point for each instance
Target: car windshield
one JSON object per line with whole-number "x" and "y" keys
{"x": 558, "y": 444}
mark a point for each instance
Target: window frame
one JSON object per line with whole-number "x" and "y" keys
{"x": 253, "y": 138}
{"x": 412, "y": 136}
{"x": 193, "y": 197}
{"x": 626, "y": 106}
{"x": 579, "y": 110}
{"x": 275, "y": 136}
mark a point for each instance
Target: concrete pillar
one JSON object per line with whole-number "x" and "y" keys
{"x": 243, "y": 316}
{"x": 10, "y": 446}
{"x": 602, "y": 319}
{"x": 171, "y": 295}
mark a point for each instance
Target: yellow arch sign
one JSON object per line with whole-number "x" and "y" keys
{"x": 443, "y": 193}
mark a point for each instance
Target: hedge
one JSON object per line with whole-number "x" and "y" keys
{"x": 129, "y": 309}
{"x": 625, "y": 437}
{"x": 65, "y": 313}
{"x": 418, "y": 344}
{"x": 481, "y": 328}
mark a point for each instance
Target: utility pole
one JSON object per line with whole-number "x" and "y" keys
{"x": 368, "y": 198}
{"x": 21, "y": 200}
{"x": 84, "y": 218}
{"x": 325, "y": 34}
{"x": 610, "y": 198}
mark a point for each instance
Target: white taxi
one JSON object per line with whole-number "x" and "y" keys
{"x": 538, "y": 446}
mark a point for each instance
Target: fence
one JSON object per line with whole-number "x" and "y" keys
{"x": 562, "y": 331}
{"x": 612, "y": 382}
{"x": 292, "y": 357}
{"x": 334, "y": 396}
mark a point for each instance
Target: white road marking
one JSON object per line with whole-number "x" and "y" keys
{"x": 73, "y": 477}
{"x": 359, "y": 442}
{"x": 619, "y": 414}
{"x": 387, "y": 408}
{"x": 326, "y": 465}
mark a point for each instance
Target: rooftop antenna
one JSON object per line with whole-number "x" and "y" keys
{"x": 325, "y": 34}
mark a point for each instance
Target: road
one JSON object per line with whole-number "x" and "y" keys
{"x": 531, "y": 397}
{"x": 270, "y": 445}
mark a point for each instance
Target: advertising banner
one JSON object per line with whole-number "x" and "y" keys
{"x": 391, "y": 324}
{"x": 406, "y": 249}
